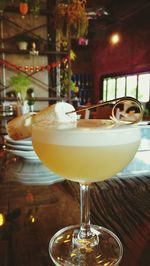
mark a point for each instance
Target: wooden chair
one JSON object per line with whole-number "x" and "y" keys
{"x": 103, "y": 112}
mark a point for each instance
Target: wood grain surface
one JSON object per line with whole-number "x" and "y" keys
{"x": 123, "y": 206}
{"x": 119, "y": 204}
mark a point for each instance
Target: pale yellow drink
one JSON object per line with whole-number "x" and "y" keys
{"x": 86, "y": 151}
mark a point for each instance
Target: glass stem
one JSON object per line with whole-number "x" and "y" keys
{"x": 85, "y": 231}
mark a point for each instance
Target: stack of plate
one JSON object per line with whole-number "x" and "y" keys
{"x": 22, "y": 148}
{"x": 27, "y": 168}
{"x": 6, "y": 114}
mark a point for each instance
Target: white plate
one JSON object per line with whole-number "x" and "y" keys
{"x": 41, "y": 181}
{"x": 19, "y": 147}
{"x": 23, "y": 154}
{"x": 27, "y": 141}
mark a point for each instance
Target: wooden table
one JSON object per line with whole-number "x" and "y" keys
{"x": 123, "y": 206}
{"x": 34, "y": 213}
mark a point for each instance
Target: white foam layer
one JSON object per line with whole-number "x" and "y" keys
{"x": 85, "y": 133}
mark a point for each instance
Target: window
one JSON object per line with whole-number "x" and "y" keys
{"x": 136, "y": 85}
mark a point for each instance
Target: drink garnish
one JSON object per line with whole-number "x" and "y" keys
{"x": 126, "y": 110}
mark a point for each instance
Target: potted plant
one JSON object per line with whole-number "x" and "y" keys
{"x": 34, "y": 7}
{"x": 26, "y": 42}
{"x": 23, "y": 8}
{"x": 20, "y": 83}
{"x": 22, "y": 40}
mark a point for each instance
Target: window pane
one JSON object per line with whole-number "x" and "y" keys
{"x": 137, "y": 85}
{"x": 105, "y": 90}
{"x": 132, "y": 86}
{"x": 111, "y": 89}
{"x": 120, "y": 87}
{"x": 144, "y": 87}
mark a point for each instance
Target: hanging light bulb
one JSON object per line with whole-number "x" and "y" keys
{"x": 115, "y": 38}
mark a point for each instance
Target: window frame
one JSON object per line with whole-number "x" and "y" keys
{"x": 115, "y": 76}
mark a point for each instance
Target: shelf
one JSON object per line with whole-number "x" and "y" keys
{"x": 41, "y": 32}
{"x": 27, "y": 52}
{"x": 36, "y": 99}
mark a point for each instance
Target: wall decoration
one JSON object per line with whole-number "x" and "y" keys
{"x": 30, "y": 70}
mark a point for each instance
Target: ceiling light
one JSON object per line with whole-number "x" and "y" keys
{"x": 115, "y": 38}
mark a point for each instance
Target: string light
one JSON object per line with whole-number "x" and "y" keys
{"x": 34, "y": 69}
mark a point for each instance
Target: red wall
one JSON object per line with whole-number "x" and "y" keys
{"x": 131, "y": 55}
{"x": 83, "y": 61}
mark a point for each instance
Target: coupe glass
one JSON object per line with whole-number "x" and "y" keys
{"x": 85, "y": 151}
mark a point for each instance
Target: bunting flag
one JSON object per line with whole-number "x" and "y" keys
{"x": 31, "y": 70}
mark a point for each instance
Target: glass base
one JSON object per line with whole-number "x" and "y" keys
{"x": 104, "y": 248}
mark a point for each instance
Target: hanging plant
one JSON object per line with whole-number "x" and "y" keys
{"x": 34, "y": 6}
{"x": 23, "y": 8}
{"x": 71, "y": 19}
{"x": 67, "y": 85}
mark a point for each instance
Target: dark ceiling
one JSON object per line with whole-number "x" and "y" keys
{"x": 108, "y": 14}
{"x": 114, "y": 13}
{"x": 120, "y": 8}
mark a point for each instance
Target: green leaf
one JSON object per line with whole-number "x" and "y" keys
{"x": 20, "y": 83}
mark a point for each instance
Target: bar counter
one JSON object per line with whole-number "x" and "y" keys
{"x": 33, "y": 213}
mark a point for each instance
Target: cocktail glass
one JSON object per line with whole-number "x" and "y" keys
{"x": 85, "y": 151}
